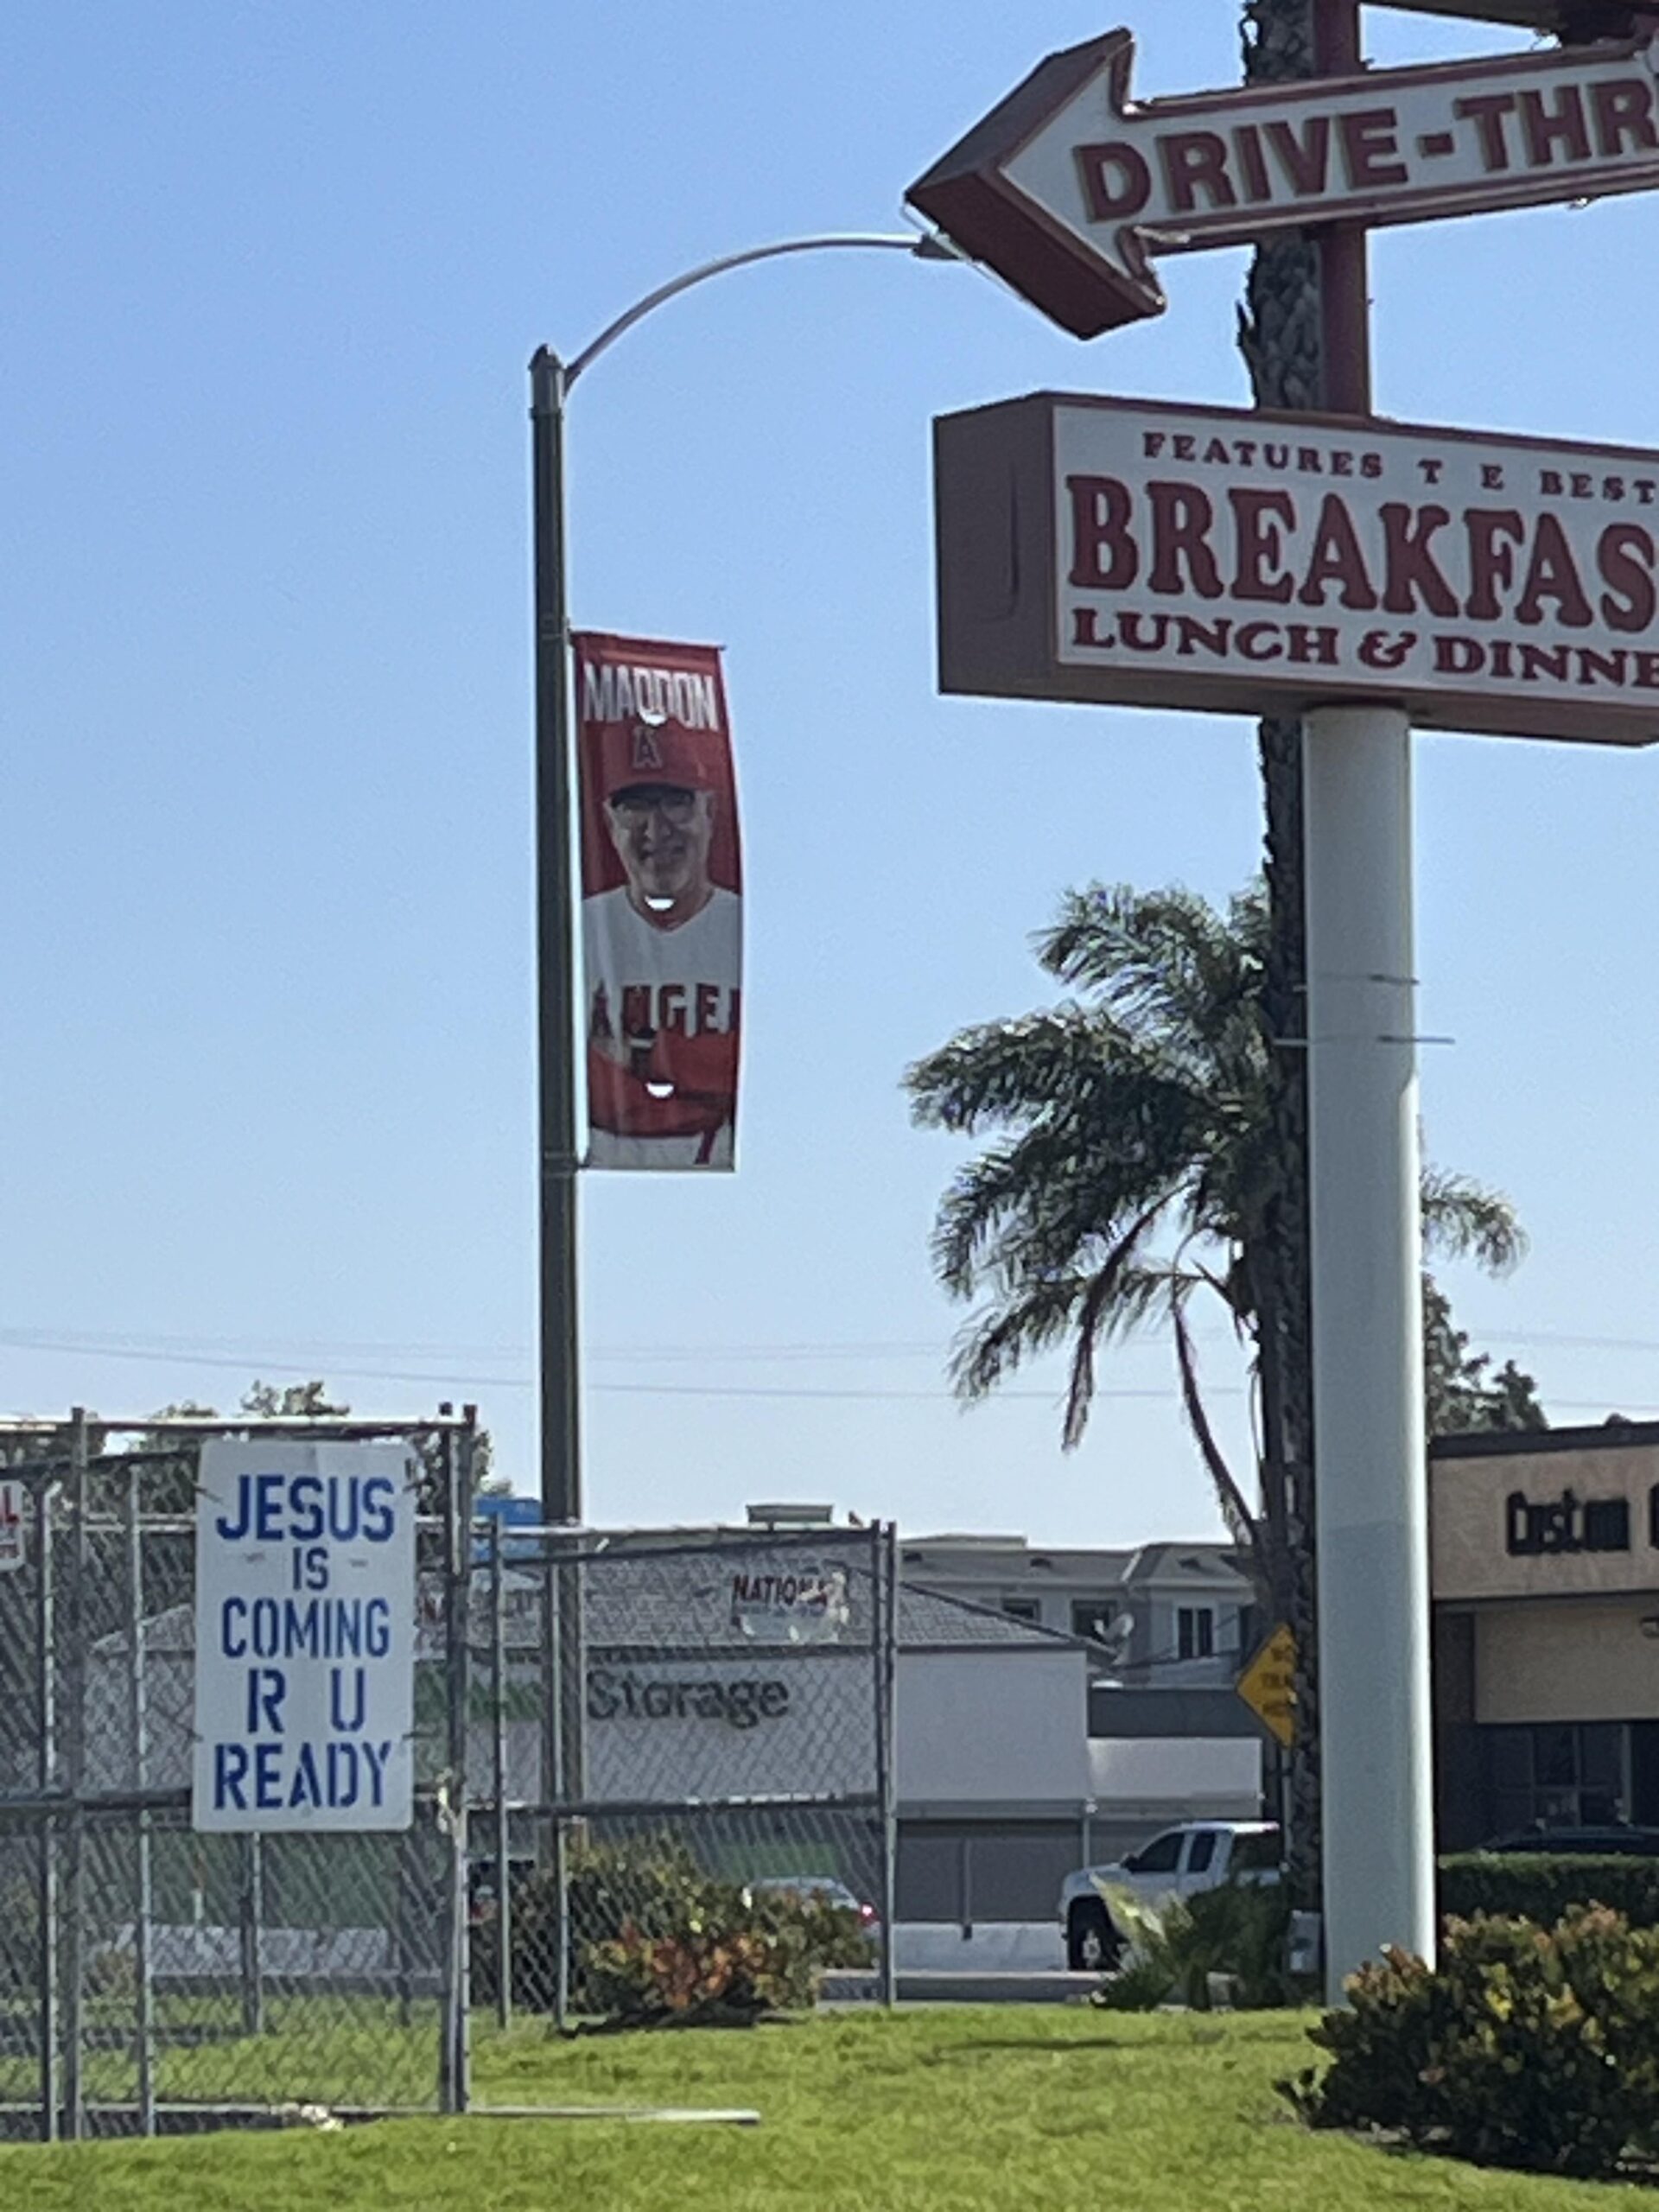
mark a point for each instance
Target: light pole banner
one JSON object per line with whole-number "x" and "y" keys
{"x": 662, "y": 908}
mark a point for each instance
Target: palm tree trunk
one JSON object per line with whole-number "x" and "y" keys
{"x": 1278, "y": 336}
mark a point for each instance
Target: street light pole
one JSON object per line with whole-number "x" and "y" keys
{"x": 551, "y": 380}
{"x": 561, "y": 1435}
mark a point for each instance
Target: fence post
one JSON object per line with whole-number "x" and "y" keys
{"x": 250, "y": 1915}
{"x": 74, "y": 2094}
{"x": 499, "y": 1709}
{"x": 884, "y": 1627}
{"x": 457, "y": 1518}
{"x": 138, "y": 1723}
{"x": 559, "y": 1793}
{"x": 46, "y": 1687}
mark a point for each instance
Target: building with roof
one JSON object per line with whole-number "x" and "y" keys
{"x": 1166, "y": 1628}
{"x": 1544, "y": 1547}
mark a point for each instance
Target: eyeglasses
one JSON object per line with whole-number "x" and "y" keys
{"x": 675, "y": 806}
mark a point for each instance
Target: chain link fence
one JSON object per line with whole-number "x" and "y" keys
{"x": 660, "y": 1708}
{"x": 152, "y": 1975}
{"x": 599, "y": 1723}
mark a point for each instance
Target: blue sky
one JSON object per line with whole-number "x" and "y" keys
{"x": 274, "y": 276}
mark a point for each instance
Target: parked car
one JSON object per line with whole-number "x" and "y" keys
{"x": 1198, "y": 1855}
{"x": 1617, "y": 1841}
{"x": 821, "y": 1889}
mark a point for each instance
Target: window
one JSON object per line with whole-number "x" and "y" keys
{"x": 1201, "y": 1851}
{"x": 1558, "y": 1776}
{"x": 1161, "y": 1856}
{"x": 1252, "y": 1854}
{"x": 1094, "y": 1617}
{"x": 1195, "y": 1632}
{"x": 1022, "y": 1609}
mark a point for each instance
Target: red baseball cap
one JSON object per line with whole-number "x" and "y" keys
{"x": 634, "y": 753}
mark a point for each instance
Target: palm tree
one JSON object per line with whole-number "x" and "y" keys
{"x": 1132, "y": 1169}
{"x": 1280, "y": 335}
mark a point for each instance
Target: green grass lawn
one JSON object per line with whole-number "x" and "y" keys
{"x": 950, "y": 2109}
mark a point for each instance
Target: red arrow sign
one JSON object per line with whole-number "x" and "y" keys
{"x": 1067, "y": 188}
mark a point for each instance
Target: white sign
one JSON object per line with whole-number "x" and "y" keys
{"x": 14, "y": 1541}
{"x": 1136, "y": 553}
{"x": 305, "y": 1636}
{"x": 787, "y": 1600}
{"x": 1068, "y": 186}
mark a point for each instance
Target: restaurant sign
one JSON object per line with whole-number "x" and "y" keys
{"x": 1138, "y": 553}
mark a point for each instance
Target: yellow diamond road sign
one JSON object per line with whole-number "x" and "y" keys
{"x": 1267, "y": 1685}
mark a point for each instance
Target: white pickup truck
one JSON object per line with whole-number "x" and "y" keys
{"x": 1199, "y": 1855}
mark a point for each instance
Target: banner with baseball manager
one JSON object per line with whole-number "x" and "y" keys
{"x": 662, "y": 909}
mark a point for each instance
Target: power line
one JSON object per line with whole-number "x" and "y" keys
{"x": 207, "y": 1351}
{"x": 456, "y": 1371}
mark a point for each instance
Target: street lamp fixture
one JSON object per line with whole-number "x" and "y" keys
{"x": 551, "y": 380}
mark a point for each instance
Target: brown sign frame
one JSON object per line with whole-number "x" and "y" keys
{"x": 996, "y": 498}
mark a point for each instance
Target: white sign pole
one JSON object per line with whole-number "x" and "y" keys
{"x": 1372, "y": 1502}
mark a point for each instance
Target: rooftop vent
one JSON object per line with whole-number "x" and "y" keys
{"x": 791, "y": 1516}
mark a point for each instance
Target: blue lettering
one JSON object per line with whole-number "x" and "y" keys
{"x": 267, "y": 1690}
{"x": 230, "y": 1772}
{"x": 375, "y": 1758}
{"x": 299, "y": 1629}
{"x": 267, "y": 1518}
{"x": 238, "y": 1606}
{"x": 305, "y": 1509}
{"x": 379, "y": 1496}
{"x": 342, "y": 1515}
{"x": 267, "y": 1778}
{"x": 233, "y": 1531}
{"x": 342, "y": 1775}
{"x": 377, "y": 1622}
{"x": 307, "y": 1789}
{"x": 347, "y": 1723}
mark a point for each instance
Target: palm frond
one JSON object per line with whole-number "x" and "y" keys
{"x": 1464, "y": 1219}
{"x": 1100, "y": 1299}
{"x": 1235, "y": 1508}
{"x": 1163, "y": 963}
{"x": 1002, "y": 1071}
{"x": 995, "y": 1341}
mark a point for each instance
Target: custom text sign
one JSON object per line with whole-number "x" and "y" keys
{"x": 1142, "y": 555}
{"x": 1067, "y": 188}
{"x": 789, "y": 1600}
{"x": 305, "y": 1636}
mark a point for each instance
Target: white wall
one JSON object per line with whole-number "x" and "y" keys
{"x": 992, "y": 1727}
{"x": 1176, "y": 1778}
{"x": 1583, "y": 1662}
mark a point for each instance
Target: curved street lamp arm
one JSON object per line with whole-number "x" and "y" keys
{"x": 920, "y": 244}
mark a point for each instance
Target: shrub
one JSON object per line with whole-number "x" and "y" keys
{"x": 1527, "y": 2047}
{"x": 654, "y": 1935}
{"x": 1242, "y": 1929}
{"x": 1141, "y": 1986}
{"x": 1542, "y": 1885}
{"x": 1239, "y": 1929}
